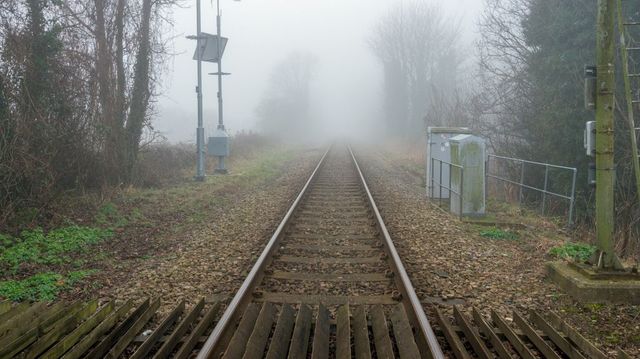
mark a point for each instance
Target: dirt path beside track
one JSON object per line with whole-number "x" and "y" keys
{"x": 198, "y": 240}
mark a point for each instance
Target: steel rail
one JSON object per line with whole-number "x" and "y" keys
{"x": 404, "y": 283}
{"x": 410, "y": 298}
{"x": 210, "y": 346}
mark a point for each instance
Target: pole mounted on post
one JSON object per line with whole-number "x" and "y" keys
{"x": 210, "y": 49}
{"x": 221, "y": 169}
{"x": 200, "y": 172}
{"x": 605, "y": 105}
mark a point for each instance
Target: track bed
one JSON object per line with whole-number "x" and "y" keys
{"x": 328, "y": 286}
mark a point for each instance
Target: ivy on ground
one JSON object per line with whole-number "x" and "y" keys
{"x": 54, "y": 247}
{"x": 40, "y": 287}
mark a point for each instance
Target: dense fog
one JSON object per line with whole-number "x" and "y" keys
{"x": 102, "y": 93}
{"x": 346, "y": 95}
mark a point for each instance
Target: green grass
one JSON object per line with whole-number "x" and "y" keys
{"x": 109, "y": 216}
{"x": 576, "y": 251}
{"x": 268, "y": 166}
{"x": 497, "y": 233}
{"x": 41, "y": 287}
{"x": 54, "y": 247}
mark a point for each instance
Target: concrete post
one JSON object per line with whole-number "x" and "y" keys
{"x": 605, "y": 166}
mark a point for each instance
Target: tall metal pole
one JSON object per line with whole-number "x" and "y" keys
{"x": 605, "y": 166}
{"x": 221, "y": 168}
{"x": 200, "y": 174}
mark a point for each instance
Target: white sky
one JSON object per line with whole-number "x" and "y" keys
{"x": 263, "y": 32}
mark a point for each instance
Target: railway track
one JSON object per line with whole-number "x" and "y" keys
{"x": 330, "y": 266}
{"x": 329, "y": 284}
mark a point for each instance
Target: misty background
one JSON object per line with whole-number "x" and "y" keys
{"x": 347, "y": 95}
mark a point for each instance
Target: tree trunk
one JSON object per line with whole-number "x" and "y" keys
{"x": 120, "y": 74}
{"x": 112, "y": 129}
{"x": 141, "y": 92}
{"x": 7, "y": 125}
{"x": 36, "y": 67}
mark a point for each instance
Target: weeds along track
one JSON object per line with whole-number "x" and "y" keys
{"x": 328, "y": 284}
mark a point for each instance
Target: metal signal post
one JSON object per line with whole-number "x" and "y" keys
{"x": 221, "y": 166}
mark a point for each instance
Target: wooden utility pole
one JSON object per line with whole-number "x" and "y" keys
{"x": 605, "y": 104}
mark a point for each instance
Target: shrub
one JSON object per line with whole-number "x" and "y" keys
{"x": 162, "y": 164}
{"x": 576, "y": 251}
{"x": 497, "y": 233}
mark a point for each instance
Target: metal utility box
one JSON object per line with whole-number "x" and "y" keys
{"x": 218, "y": 144}
{"x": 438, "y": 149}
{"x": 590, "y": 138}
{"x": 469, "y": 152}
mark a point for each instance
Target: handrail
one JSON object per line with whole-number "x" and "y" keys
{"x": 449, "y": 188}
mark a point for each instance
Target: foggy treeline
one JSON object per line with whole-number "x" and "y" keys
{"x": 285, "y": 109}
{"x": 421, "y": 55}
{"x": 78, "y": 81}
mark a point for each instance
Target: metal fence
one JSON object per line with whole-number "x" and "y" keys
{"x": 446, "y": 186}
{"x": 520, "y": 165}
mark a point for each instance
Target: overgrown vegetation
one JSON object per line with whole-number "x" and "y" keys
{"x": 54, "y": 247}
{"x": 497, "y": 233}
{"x": 41, "y": 287}
{"x": 529, "y": 102}
{"x": 575, "y": 251}
{"x": 76, "y": 93}
{"x": 40, "y": 263}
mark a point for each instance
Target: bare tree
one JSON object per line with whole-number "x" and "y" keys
{"x": 284, "y": 109}
{"x": 505, "y": 90}
{"x": 77, "y": 80}
{"x": 418, "y": 47}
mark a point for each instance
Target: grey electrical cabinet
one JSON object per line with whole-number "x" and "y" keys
{"x": 438, "y": 150}
{"x": 469, "y": 152}
{"x": 218, "y": 144}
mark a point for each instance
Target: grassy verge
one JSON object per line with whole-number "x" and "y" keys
{"x": 191, "y": 203}
{"x": 94, "y": 233}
